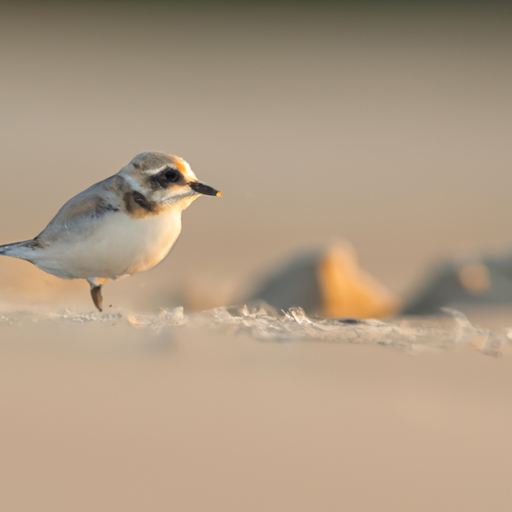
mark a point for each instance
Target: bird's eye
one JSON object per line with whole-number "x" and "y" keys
{"x": 172, "y": 175}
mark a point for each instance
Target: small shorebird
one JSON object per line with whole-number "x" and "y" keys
{"x": 122, "y": 225}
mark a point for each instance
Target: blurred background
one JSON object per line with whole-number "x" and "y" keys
{"x": 387, "y": 124}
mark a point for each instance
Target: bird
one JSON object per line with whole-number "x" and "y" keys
{"x": 122, "y": 225}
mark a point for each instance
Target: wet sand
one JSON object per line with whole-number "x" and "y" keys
{"x": 390, "y": 128}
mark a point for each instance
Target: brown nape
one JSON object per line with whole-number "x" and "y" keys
{"x": 97, "y": 298}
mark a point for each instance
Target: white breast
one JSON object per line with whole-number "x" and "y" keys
{"x": 118, "y": 245}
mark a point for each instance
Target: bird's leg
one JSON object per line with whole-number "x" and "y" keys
{"x": 96, "y": 284}
{"x": 96, "y": 292}
{"x": 97, "y": 298}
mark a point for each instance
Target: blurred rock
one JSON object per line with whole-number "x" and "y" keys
{"x": 477, "y": 282}
{"x": 326, "y": 282}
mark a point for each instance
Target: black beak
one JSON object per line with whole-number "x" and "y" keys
{"x": 201, "y": 188}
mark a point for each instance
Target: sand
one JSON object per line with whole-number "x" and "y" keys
{"x": 108, "y": 417}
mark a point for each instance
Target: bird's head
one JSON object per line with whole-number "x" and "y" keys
{"x": 165, "y": 179}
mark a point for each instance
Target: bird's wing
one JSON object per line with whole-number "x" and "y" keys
{"x": 84, "y": 211}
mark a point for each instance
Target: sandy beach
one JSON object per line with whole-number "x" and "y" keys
{"x": 108, "y": 417}
{"x": 388, "y": 127}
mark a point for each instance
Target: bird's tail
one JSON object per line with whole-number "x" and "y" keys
{"x": 16, "y": 249}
